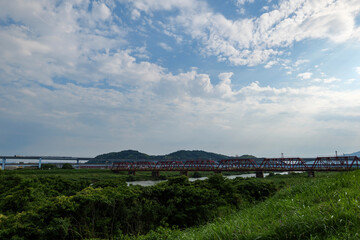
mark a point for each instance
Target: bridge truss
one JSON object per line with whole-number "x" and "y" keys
{"x": 341, "y": 163}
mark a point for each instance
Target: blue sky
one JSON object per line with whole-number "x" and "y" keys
{"x": 235, "y": 77}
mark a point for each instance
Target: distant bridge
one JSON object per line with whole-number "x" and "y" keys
{"x": 40, "y": 159}
{"x": 258, "y": 165}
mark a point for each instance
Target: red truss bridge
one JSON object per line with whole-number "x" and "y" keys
{"x": 258, "y": 165}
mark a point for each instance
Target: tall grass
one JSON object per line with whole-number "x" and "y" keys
{"x": 327, "y": 207}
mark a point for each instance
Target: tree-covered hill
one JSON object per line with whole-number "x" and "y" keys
{"x": 127, "y": 154}
{"x": 178, "y": 155}
{"x": 194, "y": 155}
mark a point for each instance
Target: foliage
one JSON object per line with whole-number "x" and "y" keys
{"x": 48, "y": 166}
{"x": 56, "y": 207}
{"x": 196, "y": 175}
{"x": 127, "y": 154}
{"x": 194, "y": 155}
{"x": 325, "y": 207}
{"x": 67, "y": 166}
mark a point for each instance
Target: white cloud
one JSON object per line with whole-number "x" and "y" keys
{"x": 327, "y": 80}
{"x": 210, "y": 113}
{"x": 100, "y": 11}
{"x": 81, "y": 90}
{"x": 252, "y": 41}
{"x": 224, "y": 87}
{"x": 65, "y": 42}
{"x": 350, "y": 81}
{"x": 357, "y": 70}
{"x": 305, "y": 75}
{"x": 122, "y": 69}
{"x": 300, "y": 62}
{"x": 331, "y": 80}
{"x": 242, "y": 2}
{"x": 270, "y": 64}
{"x": 165, "y": 46}
{"x": 155, "y": 5}
{"x": 135, "y": 14}
{"x": 251, "y": 114}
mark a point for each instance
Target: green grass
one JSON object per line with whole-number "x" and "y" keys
{"x": 325, "y": 207}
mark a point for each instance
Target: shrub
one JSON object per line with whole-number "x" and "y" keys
{"x": 196, "y": 175}
{"x": 48, "y": 166}
{"x": 67, "y": 166}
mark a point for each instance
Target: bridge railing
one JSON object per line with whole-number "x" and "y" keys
{"x": 122, "y": 166}
{"x": 267, "y": 164}
{"x": 200, "y": 165}
{"x": 284, "y": 164}
{"x": 335, "y": 163}
{"x": 169, "y": 165}
{"x": 236, "y": 164}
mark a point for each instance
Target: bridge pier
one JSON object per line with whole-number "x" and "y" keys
{"x": 3, "y": 164}
{"x": 155, "y": 173}
{"x": 311, "y": 174}
{"x": 185, "y": 173}
{"x": 132, "y": 172}
{"x": 217, "y": 171}
{"x": 40, "y": 162}
{"x": 259, "y": 174}
{"x": 77, "y": 163}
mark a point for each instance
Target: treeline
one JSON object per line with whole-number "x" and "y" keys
{"x": 58, "y": 208}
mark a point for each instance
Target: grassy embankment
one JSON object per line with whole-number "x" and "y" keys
{"x": 325, "y": 207}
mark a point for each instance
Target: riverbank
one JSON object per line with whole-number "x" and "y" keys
{"x": 325, "y": 207}
{"x": 82, "y": 204}
{"x": 75, "y": 205}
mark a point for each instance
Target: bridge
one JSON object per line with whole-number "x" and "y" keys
{"x": 41, "y": 159}
{"x": 258, "y": 165}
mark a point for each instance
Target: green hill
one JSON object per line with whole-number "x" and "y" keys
{"x": 194, "y": 155}
{"x": 127, "y": 154}
{"x": 355, "y": 154}
{"x": 178, "y": 155}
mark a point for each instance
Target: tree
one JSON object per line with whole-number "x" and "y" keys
{"x": 48, "y": 166}
{"x": 67, "y": 166}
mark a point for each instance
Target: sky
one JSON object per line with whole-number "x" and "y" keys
{"x": 262, "y": 77}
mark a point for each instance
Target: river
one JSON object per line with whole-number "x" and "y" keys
{"x": 152, "y": 182}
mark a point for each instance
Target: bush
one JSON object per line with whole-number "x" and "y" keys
{"x": 48, "y": 166}
{"x": 196, "y": 175}
{"x": 61, "y": 208}
{"x": 67, "y": 166}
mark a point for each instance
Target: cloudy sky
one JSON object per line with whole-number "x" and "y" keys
{"x": 82, "y": 77}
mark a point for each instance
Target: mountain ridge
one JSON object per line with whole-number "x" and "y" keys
{"x": 354, "y": 154}
{"x": 178, "y": 155}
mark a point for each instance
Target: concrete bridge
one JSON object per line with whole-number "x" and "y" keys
{"x": 40, "y": 160}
